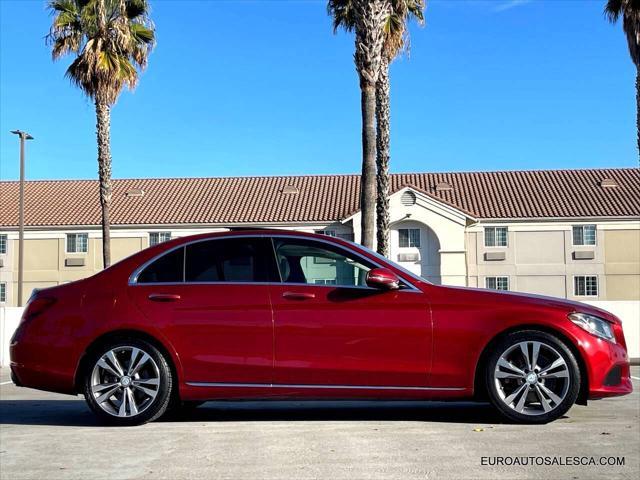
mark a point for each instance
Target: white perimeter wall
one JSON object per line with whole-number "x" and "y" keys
{"x": 627, "y": 311}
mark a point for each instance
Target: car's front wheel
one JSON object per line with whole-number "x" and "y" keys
{"x": 532, "y": 377}
{"x": 128, "y": 382}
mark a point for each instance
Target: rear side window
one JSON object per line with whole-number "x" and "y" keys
{"x": 168, "y": 268}
{"x": 228, "y": 260}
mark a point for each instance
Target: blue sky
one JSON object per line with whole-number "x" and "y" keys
{"x": 265, "y": 88}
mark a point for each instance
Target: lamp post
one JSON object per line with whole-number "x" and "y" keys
{"x": 23, "y": 136}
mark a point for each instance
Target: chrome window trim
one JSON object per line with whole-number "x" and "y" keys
{"x": 133, "y": 278}
{"x": 329, "y": 387}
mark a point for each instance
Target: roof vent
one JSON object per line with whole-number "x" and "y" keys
{"x": 443, "y": 187}
{"x": 289, "y": 190}
{"x": 134, "y": 192}
{"x": 608, "y": 183}
{"x": 408, "y": 198}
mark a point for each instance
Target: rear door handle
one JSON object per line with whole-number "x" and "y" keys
{"x": 164, "y": 297}
{"x": 299, "y": 295}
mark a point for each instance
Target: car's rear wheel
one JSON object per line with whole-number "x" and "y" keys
{"x": 128, "y": 382}
{"x": 532, "y": 377}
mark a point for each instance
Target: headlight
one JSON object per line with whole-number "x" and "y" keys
{"x": 594, "y": 325}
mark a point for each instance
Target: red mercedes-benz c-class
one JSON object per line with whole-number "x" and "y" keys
{"x": 271, "y": 314}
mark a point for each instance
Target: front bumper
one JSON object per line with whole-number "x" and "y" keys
{"x": 608, "y": 368}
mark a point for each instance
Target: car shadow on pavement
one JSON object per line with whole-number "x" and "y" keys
{"x": 75, "y": 412}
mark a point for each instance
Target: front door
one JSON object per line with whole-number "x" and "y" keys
{"x": 211, "y": 300}
{"x": 332, "y": 329}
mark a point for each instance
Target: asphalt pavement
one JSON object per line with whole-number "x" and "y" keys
{"x": 50, "y": 436}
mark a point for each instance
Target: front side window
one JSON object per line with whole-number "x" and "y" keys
{"x": 585, "y": 286}
{"x": 3, "y": 292}
{"x": 497, "y": 283}
{"x": 584, "y": 235}
{"x": 228, "y": 260}
{"x": 77, "y": 242}
{"x": 3, "y": 244}
{"x": 495, "y": 236}
{"x": 409, "y": 237}
{"x": 158, "y": 237}
{"x": 306, "y": 261}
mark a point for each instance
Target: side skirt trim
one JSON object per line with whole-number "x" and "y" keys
{"x": 330, "y": 387}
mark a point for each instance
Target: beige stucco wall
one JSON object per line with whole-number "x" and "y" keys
{"x": 538, "y": 259}
{"x": 622, "y": 264}
{"x": 540, "y": 284}
{"x": 539, "y": 248}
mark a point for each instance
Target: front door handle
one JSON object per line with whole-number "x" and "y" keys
{"x": 164, "y": 297}
{"x": 299, "y": 295}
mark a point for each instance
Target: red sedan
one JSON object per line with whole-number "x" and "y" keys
{"x": 275, "y": 314}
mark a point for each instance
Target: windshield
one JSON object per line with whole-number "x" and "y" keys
{"x": 395, "y": 265}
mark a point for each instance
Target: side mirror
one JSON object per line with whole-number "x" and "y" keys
{"x": 383, "y": 278}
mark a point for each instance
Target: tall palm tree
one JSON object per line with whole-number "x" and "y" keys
{"x": 396, "y": 40}
{"x": 111, "y": 40}
{"x": 367, "y": 18}
{"x": 629, "y": 10}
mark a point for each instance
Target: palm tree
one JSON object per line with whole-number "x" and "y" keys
{"x": 367, "y": 18}
{"x": 396, "y": 36}
{"x": 112, "y": 40}
{"x": 395, "y": 40}
{"x": 629, "y": 10}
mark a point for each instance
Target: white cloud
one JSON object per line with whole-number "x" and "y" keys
{"x": 508, "y": 5}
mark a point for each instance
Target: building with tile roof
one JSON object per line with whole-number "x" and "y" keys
{"x": 567, "y": 233}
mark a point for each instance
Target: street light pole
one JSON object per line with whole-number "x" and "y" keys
{"x": 23, "y": 136}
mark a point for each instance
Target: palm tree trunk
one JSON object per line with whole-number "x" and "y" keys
{"x": 104, "y": 172}
{"x": 383, "y": 119}
{"x": 368, "y": 180}
{"x": 370, "y": 16}
{"x": 638, "y": 107}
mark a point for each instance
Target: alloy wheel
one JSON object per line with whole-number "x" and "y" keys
{"x": 125, "y": 381}
{"x": 532, "y": 378}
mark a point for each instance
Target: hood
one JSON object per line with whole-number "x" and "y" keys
{"x": 568, "y": 306}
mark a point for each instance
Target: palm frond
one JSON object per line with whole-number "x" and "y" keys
{"x": 112, "y": 40}
{"x": 629, "y": 10}
{"x": 342, "y": 14}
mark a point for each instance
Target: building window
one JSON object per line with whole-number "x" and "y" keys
{"x": 585, "y": 286}
{"x": 584, "y": 235}
{"x": 3, "y": 292}
{"x": 409, "y": 237}
{"x": 328, "y": 233}
{"x": 497, "y": 283}
{"x": 77, "y": 242}
{"x": 495, "y": 236}
{"x": 3, "y": 244}
{"x": 158, "y": 237}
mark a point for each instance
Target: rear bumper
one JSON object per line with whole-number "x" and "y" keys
{"x": 41, "y": 366}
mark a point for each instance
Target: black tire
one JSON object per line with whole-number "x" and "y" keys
{"x": 573, "y": 379}
{"x": 155, "y": 408}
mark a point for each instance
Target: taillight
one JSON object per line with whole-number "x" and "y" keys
{"x": 35, "y": 307}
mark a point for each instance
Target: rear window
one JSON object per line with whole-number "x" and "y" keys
{"x": 230, "y": 260}
{"x": 167, "y": 269}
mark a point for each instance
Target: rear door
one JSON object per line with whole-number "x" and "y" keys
{"x": 211, "y": 298}
{"x": 332, "y": 329}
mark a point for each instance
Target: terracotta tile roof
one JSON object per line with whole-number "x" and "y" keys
{"x": 484, "y": 195}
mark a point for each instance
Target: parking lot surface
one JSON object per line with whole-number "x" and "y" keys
{"x": 44, "y": 435}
